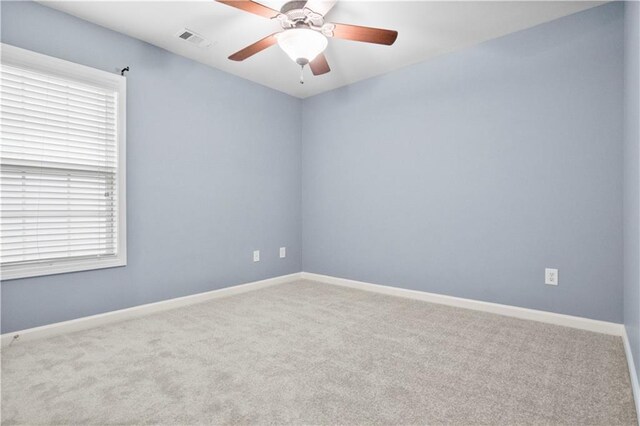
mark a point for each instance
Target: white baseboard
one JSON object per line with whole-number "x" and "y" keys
{"x": 635, "y": 386}
{"x": 496, "y": 308}
{"x": 137, "y": 311}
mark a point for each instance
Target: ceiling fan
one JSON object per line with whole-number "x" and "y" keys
{"x": 304, "y": 32}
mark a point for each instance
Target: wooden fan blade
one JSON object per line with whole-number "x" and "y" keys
{"x": 319, "y": 65}
{"x": 251, "y": 7}
{"x": 254, "y": 48}
{"x": 320, "y": 6}
{"x": 365, "y": 34}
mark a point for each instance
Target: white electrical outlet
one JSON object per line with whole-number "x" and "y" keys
{"x": 551, "y": 276}
{"x": 283, "y": 252}
{"x": 256, "y": 255}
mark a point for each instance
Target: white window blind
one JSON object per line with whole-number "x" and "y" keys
{"x": 61, "y": 185}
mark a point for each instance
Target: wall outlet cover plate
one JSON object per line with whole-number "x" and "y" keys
{"x": 551, "y": 276}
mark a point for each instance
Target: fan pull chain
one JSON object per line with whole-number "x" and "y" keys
{"x": 301, "y": 74}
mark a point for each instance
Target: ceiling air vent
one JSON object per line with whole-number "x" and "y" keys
{"x": 193, "y": 38}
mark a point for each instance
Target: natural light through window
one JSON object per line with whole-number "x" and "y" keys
{"x": 62, "y": 166}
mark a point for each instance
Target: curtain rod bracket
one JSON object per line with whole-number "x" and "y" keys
{"x": 123, "y": 70}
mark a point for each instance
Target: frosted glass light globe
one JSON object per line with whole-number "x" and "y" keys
{"x": 302, "y": 45}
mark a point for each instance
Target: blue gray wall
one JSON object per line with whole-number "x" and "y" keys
{"x": 632, "y": 180}
{"x": 205, "y": 187}
{"x": 470, "y": 173}
{"x": 464, "y": 175}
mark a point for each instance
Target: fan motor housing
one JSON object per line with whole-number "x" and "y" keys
{"x": 295, "y": 14}
{"x": 292, "y": 5}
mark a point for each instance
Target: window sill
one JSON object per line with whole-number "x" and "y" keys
{"x": 38, "y": 270}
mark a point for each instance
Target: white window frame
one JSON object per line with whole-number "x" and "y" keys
{"x": 38, "y": 62}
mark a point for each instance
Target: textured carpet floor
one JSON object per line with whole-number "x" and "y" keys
{"x": 310, "y": 353}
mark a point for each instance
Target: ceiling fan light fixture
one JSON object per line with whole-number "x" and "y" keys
{"x": 302, "y": 45}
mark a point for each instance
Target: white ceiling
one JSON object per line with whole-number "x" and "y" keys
{"x": 426, "y": 29}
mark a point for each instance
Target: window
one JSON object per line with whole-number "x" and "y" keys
{"x": 62, "y": 166}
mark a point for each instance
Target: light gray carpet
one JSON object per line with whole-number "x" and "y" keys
{"x": 310, "y": 353}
